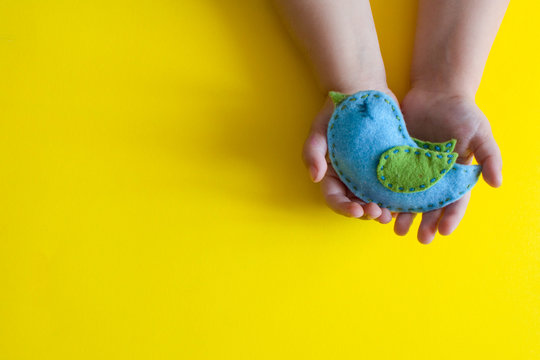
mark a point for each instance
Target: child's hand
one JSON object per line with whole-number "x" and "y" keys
{"x": 438, "y": 116}
{"x": 338, "y": 197}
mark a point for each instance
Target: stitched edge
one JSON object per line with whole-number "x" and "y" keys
{"x": 447, "y": 146}
{"x": 353, "y": 187}
{"x": 448, "y": 159}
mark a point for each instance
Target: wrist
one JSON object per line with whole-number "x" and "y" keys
{"x": 356, "y": 86}
{"x": 440, "y": 87}
{"x": 352, "y": 85}
{"x": 351, "y": 73}
{"x": 444, "y": 76}
{"x": 352, "y": 82}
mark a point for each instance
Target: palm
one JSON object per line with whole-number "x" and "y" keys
{"x": 337, "y": 195}
{"x": 439, "y": 117}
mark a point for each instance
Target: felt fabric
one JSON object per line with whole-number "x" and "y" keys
{"x": 447, "y": 146}
{"x": 407, "y": 169}
{"x": 369, "y": 123}
{"x": 337, "y": 97}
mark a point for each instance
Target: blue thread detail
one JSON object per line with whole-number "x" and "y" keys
{"x": 386, "y": 157}
{"x": 382, "y": 177}
{"x": 450, "y": 156}
{"x": 449, "y": 161}
{"x": 422, "y": 186}
{"x": 428, "y": 154}
{"x": 382, "y": 167}
{"x": 411, "y": 189}
{"x": 438, "y": 148}
{"x": 416, "y": 152}
{"x": 407, "y": 150}
{"x": 440, "y": 156}
{"x": 389, "y": 185}
{"x": 426, "y": 146}
{"x": 396, "y": 151}
{"x": 432, "y": 180}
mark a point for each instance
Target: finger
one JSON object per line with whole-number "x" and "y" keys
{"x": 487, "y": 153}
{"x": 428, "y": 226}
{"x": 334, "y": 193}
{"x": 362, "y": 203}
{"x": 385, "y": 217}
{"x": 314, "y": 153}
{"x": 403, "y": 223}
{"x": 453, "y": 214}
{"x": 372, "y": 211}
{"x": 316, "y": 146}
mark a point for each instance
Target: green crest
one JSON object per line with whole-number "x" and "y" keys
{"x": 337, "y": 97}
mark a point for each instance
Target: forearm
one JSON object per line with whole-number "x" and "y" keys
{"x": 339, "y": 39}
{"x": 453, "y": 40}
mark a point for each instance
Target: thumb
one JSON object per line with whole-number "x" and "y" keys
{"x": 314, "y": 154}
{"x": 487, "y": 153}
{"x": 315, "y": 146}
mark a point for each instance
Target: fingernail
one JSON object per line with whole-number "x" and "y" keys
{"x": 313, "y": 173}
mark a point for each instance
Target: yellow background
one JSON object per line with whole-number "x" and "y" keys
{"x": 154, "y": 204}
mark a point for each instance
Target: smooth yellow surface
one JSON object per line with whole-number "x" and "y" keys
{"x": 154, "y": 204}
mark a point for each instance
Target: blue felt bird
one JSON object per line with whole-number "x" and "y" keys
{"x": 375, "y": 157}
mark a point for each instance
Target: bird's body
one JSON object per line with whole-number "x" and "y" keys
{"x": 368, "y": 124}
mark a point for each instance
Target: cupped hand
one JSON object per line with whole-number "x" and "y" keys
{"x": 338, "y": 197}
{"x": 439, "y": 116}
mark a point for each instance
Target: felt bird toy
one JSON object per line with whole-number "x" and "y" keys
{"x": 374, "y": 156}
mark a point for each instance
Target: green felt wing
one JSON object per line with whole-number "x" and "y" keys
{"x": 407, "y": 169}
{"x": 446, "y": 147}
